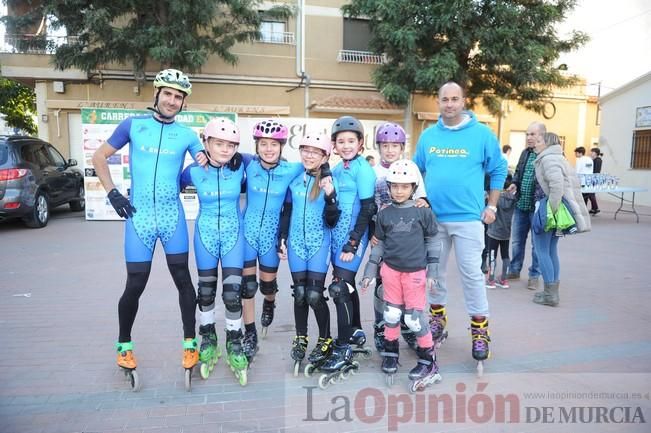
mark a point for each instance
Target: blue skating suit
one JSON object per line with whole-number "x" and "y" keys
{"x": 265, "y": 193}
{"x": 218, "y": 230}
{"x": 156, "y": 154}
{"x": 356, "y": 180}
{"x": 308, "y": 243}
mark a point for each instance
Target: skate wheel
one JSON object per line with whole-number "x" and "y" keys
{"x": 188, "y": 379}
{"x": 243, "y": 378}
{"x": 324, "y": 382}
{"x": 264, "y": 332}
{"x": 480, "y": 368}
{"x": 343, "y": 375}
{"x": 309, "y": 369}
{"x": 367, "y": 354}
{"x": 134, "y": 380}
{"x": 297, "y": 368}
{"x": 205, "y": 371}
{"x": 414, "y": 387}
{"x": 354, "y": 368}
{"x": 389, "y": 379}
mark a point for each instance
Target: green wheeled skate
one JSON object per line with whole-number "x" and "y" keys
{"x": 209, "y": 352}
{"x": 235, "y": 356}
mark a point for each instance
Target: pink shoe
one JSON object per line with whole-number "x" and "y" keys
{"x": 490, "y": 284}
{"x": 502, "y": 284}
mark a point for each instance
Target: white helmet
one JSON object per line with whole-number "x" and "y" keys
{"x": 403, "y": 171}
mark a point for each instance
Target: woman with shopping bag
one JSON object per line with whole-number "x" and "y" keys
{"x": 558, "y": 197}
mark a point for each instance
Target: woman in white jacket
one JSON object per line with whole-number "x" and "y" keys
{"x": 556, "y": 180}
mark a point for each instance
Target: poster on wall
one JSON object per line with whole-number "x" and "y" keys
{"x": 97, "y": 126}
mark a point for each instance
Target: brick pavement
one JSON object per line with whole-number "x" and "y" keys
{"x": 57, "y": 371}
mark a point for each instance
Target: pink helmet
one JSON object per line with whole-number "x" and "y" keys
{"x": 390, "y": 133}
{"x": 223, "y": 128}
{"x": 271, "y": 129}
{"x": 318, "y": 140}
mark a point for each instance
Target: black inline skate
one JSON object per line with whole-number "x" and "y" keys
{"x": 299, "y": 347}
{"x": 318, "y": 356}
{"x": 390, "y": 360}
{"x": 426, "y": 372}
{"x": 338, "y": 366}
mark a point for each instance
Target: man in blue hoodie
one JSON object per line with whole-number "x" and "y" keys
{"x": 454, "y": 155}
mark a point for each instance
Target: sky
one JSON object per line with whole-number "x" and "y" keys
{"x": 619, "y": 49}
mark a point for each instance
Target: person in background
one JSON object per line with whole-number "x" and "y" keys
{"x": 596, "y": 155}
{"x": 584, "y": 167}
{"x": 498, "y": 235}
{"x": 371, "y": 160}
{"x": 556, "y": 180}
{"x": 524, "y": 180}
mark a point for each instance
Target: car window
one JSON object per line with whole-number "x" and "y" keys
{"x": 55, "y": 156}
{"x": 4, "y": 154}
{"x": 36, "y": 154}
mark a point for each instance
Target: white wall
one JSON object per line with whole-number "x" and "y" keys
{"x": 616, "y": 141}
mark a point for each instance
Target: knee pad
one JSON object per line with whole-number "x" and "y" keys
{"x": 268, "y": 287}
{"x": 207, "y": 291}
{"x": 314, "y": 295}
{"x": 299, "y": 295}
{"x": 417, "y": 322}
{"x": 249, "y": 286}
{"x": 392, "y": 316}
{"x": 339, "y": 291}
{"x": 231, "y": 297}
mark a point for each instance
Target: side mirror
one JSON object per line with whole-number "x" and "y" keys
{"x": 72, "y": 162}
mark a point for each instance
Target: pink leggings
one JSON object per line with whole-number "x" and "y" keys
{"x": 405, "y": 290}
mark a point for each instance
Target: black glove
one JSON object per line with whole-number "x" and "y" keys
{"x": 350, "y": 246}
{"x": 121, "y": 204}
{"x": 235, "y": 162}
{"x": 325, "y": 170}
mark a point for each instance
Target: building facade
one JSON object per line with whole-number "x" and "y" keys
{"x": 314, "y": 66}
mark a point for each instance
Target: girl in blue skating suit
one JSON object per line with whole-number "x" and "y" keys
{"x": 219, "y": 236}
{"x": 307, "y": 245}
{"x": 356, "y": 182}
{"x": 267, "y": 180}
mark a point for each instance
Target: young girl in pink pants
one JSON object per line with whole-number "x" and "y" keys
{"x": 407, "y": 256}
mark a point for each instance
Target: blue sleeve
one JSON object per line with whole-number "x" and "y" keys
{"x": 121, "y": 135}
{"x": 366, "y": 182}
{"x": 495, "y": 164}
{"x": 419, "y": 157}
{"x": 247, "y": 158}
{"x": 195, "y": 146}
{"x": 186, "y": 176}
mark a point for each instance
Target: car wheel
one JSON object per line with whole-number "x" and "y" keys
{"x": 40, "y": 213}
{"x": 80, "y": 203}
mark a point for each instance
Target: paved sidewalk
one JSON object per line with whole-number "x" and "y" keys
{"x": 59, "y": 288}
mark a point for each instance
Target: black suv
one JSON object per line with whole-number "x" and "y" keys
{"x": 34, "y": 177}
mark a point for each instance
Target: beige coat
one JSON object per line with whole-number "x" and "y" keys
{"x": 558, "y": 179}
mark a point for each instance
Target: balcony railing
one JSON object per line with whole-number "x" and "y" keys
{"x": 33, "y": 44}
{"x": 365, "y": 57}
{"x": 283, "y": 38}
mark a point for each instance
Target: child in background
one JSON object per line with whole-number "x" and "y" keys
{"x": 498, "y": 235}
{"x": 407, "y": 256}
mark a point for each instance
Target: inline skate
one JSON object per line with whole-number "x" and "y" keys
{"x": 426, "y": 372}
{"x": 190, "y": 359}
{"x": 250, "y": 345}
{"x": 437, "y": 324}
{"x": 209, "y": 351}
{"x": 299, "y": 347}
{"x": 318, "y": 356}
{"x": 127, "y": 362}
{"x": 378, "y": 336}
{"x": 267, "y": 315}
{"x": 338, "y": 366}
{"x": 235, "y": 355}
{"x": 357, "y": 341}
{"x": 390, "y": 360}
{"x": 480, "y": 340}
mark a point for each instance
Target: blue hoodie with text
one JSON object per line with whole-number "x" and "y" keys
{"x": 453, "y": 161}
